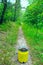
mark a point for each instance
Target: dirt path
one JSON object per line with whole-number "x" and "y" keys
{"x": 21, "y": 42}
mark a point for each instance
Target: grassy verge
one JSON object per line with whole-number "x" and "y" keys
{"x": 34, "y": 39}
{"x": 8, "y": 38}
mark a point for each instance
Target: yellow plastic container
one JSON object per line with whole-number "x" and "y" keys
{"x": 23, "y": 56}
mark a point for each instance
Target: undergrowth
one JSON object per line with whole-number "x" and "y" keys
{"x": 34, "y": 39}
{"x": 8, "y": 39}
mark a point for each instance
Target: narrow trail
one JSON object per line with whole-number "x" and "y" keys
{"x": 21, "y": 42}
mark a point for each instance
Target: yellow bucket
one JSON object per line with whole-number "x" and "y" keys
{"x": 23, "y": 56}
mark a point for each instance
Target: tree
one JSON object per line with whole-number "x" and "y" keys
{"x": 17, "y": 9}
{"x": 3, "y": 12}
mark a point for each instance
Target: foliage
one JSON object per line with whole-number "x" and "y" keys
{"x": 34, "y": 13}
{"x": 30, "y": 1}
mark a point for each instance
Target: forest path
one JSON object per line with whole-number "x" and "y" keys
{"x": 21, "y": 42}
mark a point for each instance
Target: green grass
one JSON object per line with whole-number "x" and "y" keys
{"x": 34, "y": 39}
{"x": 8, "y": 39}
